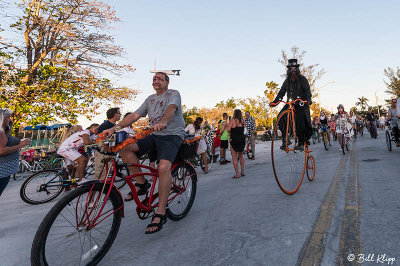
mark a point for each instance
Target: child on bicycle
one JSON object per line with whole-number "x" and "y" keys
{"x": 69, "y": 149}
{"x": 324, "y": 126}
{"x": 347, "y": 130}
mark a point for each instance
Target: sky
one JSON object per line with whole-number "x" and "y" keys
{"x": 231, "y": 48}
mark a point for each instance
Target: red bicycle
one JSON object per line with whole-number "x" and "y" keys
{"x": 288, "y": 162}
{"x": 82, "y": 226}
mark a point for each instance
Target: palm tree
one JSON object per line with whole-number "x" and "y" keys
{"x": 362, "y": 102}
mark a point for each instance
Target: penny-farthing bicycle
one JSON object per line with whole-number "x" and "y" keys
{"x": 288, "y": 162}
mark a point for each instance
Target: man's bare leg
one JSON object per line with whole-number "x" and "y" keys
{"x": 81, "y": 162}
{"x": 129, "y": 157}
{"x": 164, "y": 187}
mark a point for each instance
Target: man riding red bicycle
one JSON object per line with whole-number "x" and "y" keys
{"x": 165, "y": 116}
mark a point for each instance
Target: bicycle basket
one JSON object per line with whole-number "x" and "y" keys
{"x": 187, "y": 150}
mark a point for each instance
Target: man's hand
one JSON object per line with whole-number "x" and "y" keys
{"x": 109, "y": 131}
{"x": 159, "y": 126}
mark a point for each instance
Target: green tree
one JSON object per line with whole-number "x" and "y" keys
{"x": 311, "y": 72}
{"x": 58, "y": 70}
{"x": 392, "y": 82}
{"x": 257, "y": 107}
{"x": 362, "y": 103}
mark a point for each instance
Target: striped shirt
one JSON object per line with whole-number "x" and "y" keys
{"x": 250, "y": 125}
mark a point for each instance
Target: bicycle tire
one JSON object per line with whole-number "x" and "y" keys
{"x": 40, "y": 255}
{"x": 183, "y": 175}
{"x": 325, "y": 139}
{"x": 342, "y": 144}
{"x": 22, "y": 171}
{"x": 282, "y": 160}
{"x": 388, "y": 141}
{"x": 210, "y": 161}
{"x": 249, "y": 151}
{"x": 27, "y": 196}
{"x": 310, "y": 167}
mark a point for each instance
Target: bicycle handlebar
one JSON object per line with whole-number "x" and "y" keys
{"x": 290, "y": 102}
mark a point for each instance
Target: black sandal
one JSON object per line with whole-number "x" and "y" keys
{"x": 163, "y": 220}
{"x": 143, "y": 188}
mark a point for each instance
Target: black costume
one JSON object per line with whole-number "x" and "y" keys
{"x": 296, "y": 89}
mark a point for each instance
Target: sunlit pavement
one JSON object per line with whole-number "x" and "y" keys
{"x": 351, "y": 208}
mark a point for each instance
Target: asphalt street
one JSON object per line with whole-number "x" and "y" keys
{"x": 349, "y": 213}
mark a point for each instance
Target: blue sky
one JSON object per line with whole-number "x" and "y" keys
{"x": 230, "y": 48}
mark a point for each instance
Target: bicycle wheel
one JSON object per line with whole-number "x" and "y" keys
{"x": 325, "y": 140}
{"x": 362, "y": 131}
{"x": 249, "y": 152}
{"x": 347, "y": 144}
{"x": 183, "y": 191}
{"x": 210, "y": 160}
{"x": 310, "y": 168}
{"x": 388, "y": 141}
{"x": 57, "y": 164}
{"x": 342, "y": 144}
{"x": 22, "y": 171}
{"x": 41, "y": 187}
{"x": 67, "y": 233}
{"x": 288, "y": 164}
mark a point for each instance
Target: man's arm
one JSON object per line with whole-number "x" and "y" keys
{"x": 281, "y": 92}
{"x": 169, "y": 113}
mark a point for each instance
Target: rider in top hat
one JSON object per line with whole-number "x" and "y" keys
{"x": 296, "y": 86}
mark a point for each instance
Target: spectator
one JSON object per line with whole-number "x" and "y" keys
{"x": 195, "y": 129}
{"x": 216, "y": 142}
{"x": 224, "y": 139}
{"x": 238, "y": 141}
{"x": 113, "y": 116}
{"x": 9, "y": 149}
{"x": 250, "y": 125}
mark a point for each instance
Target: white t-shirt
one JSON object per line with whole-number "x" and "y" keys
{"x": 75, "y": 141}
{"x": 191, "y": 130}
{"x": 129, "y": 130}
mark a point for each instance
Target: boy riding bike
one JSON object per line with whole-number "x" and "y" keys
{"x": 69, "y": 149}
{"x": 348, "y": 128}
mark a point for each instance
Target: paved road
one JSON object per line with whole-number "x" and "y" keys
{"x": 352, "y": 206}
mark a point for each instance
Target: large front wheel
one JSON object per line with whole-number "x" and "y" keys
{"x": 183, "y": 191}
{"x": 288, "y": 163}
{"x": 68, "y": 234}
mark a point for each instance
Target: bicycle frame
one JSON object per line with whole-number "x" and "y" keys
{"x": 145, "y": 205}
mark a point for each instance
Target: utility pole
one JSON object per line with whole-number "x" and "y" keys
{"x": 376, "y": 99}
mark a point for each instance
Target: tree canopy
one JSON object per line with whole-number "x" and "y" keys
{"x": 61, "y": 65}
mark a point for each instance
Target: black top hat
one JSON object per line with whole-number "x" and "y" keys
{"x": 292, "y": 63}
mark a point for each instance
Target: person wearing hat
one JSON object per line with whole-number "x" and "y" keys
{"x": 296, "y": 86}
{"x": 394, "y": 121}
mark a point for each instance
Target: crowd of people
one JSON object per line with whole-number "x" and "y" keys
{"x": 164, "y": 110}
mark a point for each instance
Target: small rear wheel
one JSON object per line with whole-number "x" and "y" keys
{"x": 183, "y": 191}
{"x": 310, "y": 168}
{"x": 42, "y": 187}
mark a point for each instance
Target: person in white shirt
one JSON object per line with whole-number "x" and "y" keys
{"x": 69, "y": 150}
{"x": 129, "y": 129}
{"x": 195, "y": 129}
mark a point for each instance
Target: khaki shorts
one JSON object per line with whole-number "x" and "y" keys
{"x": 99, "y": 166}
